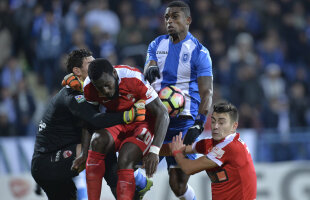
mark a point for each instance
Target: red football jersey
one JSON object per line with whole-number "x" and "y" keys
{"x": 235, "y": 178}
{"x": 132, "y": 87}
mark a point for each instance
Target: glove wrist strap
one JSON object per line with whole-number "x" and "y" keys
{"x": 202, "y": 118}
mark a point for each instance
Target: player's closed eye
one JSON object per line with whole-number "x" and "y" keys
{"x": 174, "y": 16}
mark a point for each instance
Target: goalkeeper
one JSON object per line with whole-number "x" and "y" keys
{"x": 62, "y": 140}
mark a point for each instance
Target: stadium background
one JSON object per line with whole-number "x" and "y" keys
{"x": 260, "y": 52}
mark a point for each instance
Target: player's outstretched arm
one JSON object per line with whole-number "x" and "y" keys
{"x": 165, "y": 150}
{"x": 87, "y": 112}
{"x": 189, "y": 166}
{"x": 158, "y": 110}
{"x": 205, "y": 85}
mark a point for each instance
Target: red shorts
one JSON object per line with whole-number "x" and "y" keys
{"x": 139, "y": 133}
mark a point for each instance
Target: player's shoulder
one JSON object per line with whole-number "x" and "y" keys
{"x": 199, "y": 47}
{"x": 228, "y": 142}
{"x": 88, "y": 86}
{"x": 158, "y": 39}
{"x": 90, "y": 91}
{"x": 125, "y": 72}
{"x": 235, "y": 144}
{"x": 205, "y": 142}
{"x": 86, "y": 81}
{"x": 126, "y": 68}
{"x": 66, "y": 96}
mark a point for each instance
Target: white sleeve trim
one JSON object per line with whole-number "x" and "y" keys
{"x": 150, "y": 93}
{"x": 194, "y": 147}
{"x": 94, "y": 103}
{"x": 214, "y": 159}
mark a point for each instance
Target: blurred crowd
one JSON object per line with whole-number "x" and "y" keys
{"x": 260, "y": 52}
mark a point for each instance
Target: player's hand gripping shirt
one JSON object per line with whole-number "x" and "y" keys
{"x": 132, "y": 87}
{"x": 235, "y": 178}
{"x": 180, "y": 65}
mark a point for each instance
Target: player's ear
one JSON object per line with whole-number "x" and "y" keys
{"x": 115, "y": 73}
{"x": 235, "y": 126}
{"x": 188, "y": 20}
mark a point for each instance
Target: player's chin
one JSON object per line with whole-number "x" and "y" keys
{"x": 171, "y": 32}
{"x": 216, "y": 136}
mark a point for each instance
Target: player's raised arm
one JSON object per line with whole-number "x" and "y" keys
{"x": 189, "y": 166}
{"x": 151, "y": 69}
{"x": 158, "y": 110}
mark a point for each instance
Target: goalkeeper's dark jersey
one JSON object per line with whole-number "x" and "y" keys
{"x": 64, "y": 119}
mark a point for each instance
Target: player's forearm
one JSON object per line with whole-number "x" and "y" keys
{"x": 205, "y": 85}
{"x": 161, "y": 126}
{"x": 166, "y": 151}
{"x": 105, "y": 120}
{"x": 191, "y": 167}
{"x": 205, "y": 104}
{"x": 184, "y": 163}
{"x": 160, "y": 113}
{"x": 85, "y": 141}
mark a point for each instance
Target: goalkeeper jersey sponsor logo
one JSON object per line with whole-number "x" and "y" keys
{"x": 79, "y": 98}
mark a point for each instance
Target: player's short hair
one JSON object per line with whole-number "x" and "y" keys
{"x": 97, "y": 67}
{"x": 225, "y": 107}
{"x": 180, "y": 4}
{"x": 75, "y": 59}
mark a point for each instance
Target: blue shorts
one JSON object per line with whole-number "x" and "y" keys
{"x": 175, "y": 127}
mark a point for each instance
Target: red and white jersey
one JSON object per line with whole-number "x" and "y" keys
{"x": 132, "y": 87}
{"x": 235, "y": 178}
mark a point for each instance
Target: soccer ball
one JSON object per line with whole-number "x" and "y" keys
{"x": 173, "y": 98}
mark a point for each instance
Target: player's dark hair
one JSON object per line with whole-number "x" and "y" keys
{"x": 97, "y": 67}
{"x": 75, "y": 59}
{"x": 225, "y": 107}
{"x": 180, "y": 4}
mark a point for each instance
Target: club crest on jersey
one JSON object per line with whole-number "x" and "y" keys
{"x": 185, "y": 57}
{"x": 149, "y": 92}
{"x": 67, "y": 154}
{"x": 79, "y": 98}
{"x": 217, "y": 152}
{"x": 131, "y": 97}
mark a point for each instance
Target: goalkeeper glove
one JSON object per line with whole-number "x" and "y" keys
{"x": 73, "y": 82}
{"x": 151, "y": 73}
{"x": 194, "y": 131}
{"x": 136, "y": 113}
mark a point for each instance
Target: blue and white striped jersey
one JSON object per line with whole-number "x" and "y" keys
{"x": 181, "y": 64}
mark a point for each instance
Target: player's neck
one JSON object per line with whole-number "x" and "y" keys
{"x": 178, "y": 37}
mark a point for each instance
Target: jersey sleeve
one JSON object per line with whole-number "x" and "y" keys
{"x": 90, "y": 92}
{"x": 80, "y": 108}
{"x": 151, "y": 51}
{"x": 201, "y": 146}
{"x": 204, "y": 63}
{"x": 146, "y": 91}
{"x": 221, "y": 155}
